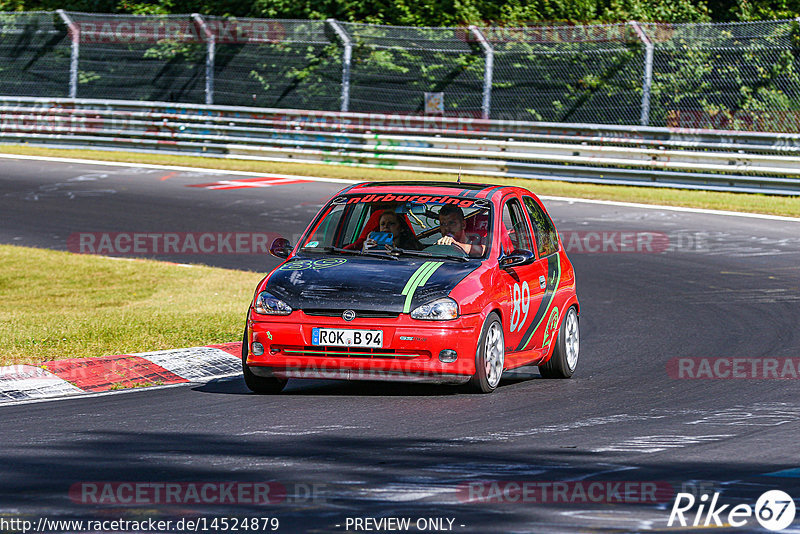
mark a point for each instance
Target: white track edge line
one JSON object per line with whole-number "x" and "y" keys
{"x": 177, "y": 168}
{"x": 674, "y": 208}
{"x": 345, "y": 181}
{"x": 90, "y": 394}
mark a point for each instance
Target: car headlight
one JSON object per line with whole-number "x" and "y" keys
{"x": 443, "y": 309}
{"x": 269, "y": 304}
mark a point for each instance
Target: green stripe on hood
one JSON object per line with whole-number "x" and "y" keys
{"x": 418, "y": 279}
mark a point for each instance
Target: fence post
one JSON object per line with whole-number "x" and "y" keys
{"x": 346, "y": 60}
{"x": 210, "y": 53}
{"x": 647, "y": 80}
{"x": 488, "y": 52}
{"x": 74, "y": 34}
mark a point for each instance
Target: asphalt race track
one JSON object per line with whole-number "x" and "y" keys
{"x": 724, "y": 287}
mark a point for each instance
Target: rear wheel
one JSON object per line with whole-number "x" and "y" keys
{"x": 565, "y": 354}
{"x": 259, "y": 384}
{"x": 490, "y": 356}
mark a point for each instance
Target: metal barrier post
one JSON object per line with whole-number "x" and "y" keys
{"x": 647, "y": 80}
{"x": 74, "y": 34}
{"x": 488, "y": 53}
{"x": 346, "y": 60}
{"x": 210, "y": 53}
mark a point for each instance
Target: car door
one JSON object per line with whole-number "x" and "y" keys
{"x": 521, "y": 287}
{"x": 546, "y": 318}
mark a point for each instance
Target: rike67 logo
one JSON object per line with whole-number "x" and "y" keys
{"x": 774, "y": 510}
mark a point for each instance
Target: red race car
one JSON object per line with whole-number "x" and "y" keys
{"x": 426, "y": 282}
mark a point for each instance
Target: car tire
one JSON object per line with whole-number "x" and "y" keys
{"x": 565, "y": 354}
{"x": 489, "y": 356}
{"x": 259, "y": 384}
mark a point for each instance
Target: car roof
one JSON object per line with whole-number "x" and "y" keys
{"x": 437, "y": 188}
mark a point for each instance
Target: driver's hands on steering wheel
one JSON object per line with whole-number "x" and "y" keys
{"x": 449, "y": 240}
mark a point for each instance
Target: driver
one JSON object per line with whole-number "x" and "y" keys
{"x": 453, "y": 229}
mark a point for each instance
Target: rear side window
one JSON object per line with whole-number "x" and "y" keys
{"x": 543, "y": 228}
{"x": 515, "y": 229}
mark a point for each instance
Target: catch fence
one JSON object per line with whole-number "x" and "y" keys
{"x": 735, "y": 76}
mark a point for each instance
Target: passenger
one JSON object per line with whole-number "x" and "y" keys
{"x": 453, "y": 228}
{"x": 402, "y": 235}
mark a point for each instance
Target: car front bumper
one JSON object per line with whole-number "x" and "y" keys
{"x": 411, "y": 349}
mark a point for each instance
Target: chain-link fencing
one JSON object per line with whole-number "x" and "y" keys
{"x": 276, "y": 63}
{"x": 742, "y": 76}
{"x": 34, "y": 54}
{"x": 394, "y": 67}
{"x": 589, "y": 74}
{"x": 139, "y": 58}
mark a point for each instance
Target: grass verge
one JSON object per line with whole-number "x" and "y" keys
{"x": 56, "y": 305}
{"x": 743, "y": 202}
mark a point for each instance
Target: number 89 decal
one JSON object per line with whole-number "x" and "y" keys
{"x": 521, "y": 300}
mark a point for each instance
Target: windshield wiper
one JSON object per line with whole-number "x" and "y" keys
{"x": 338, "y": 250}
{"x": 326, "y": 250}
{"x": 422, "y": 254}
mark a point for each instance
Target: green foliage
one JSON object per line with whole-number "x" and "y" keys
{"x": 751, "y": 10}
{"x": 442, "y": 12}
{"x": 168, "y": 50}
{"x": 12, "y": 5}
{"x": 656, "y": 11}
{"x": 87, "y": 76}
{"x": 748, "y": 80}
{"x": 146, "y": 8}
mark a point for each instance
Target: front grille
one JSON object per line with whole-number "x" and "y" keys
{"x": 364, "y": 314}
{"x": 312, "y": 351}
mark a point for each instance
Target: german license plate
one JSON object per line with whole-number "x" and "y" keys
{"x": 340, "y": 337}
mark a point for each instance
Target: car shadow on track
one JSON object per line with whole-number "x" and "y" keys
{"x": 362, "y": 388}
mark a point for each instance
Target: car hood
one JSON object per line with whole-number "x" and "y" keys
{"x": 336, "y": 283}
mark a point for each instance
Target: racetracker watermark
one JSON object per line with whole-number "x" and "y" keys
{"x": 205, "y": 493}
{"x": 155, "y": 30}
{"x": 559, "y": 33}
{"x": 615, "y": 242}
{"x": 631, "y": 242}
{"x": 399, "y": 524}
{"x": 774, "y": 510}
{"x": 703, "y": 368}
{"x": 142, "y": 524}
{"x": 155, "y": 243}
{"x": 529, "y": 491}
{"x": 747, "y": 120}
{"x": 391, "y": 121}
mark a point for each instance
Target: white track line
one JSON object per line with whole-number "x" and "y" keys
{"x": 91, "y": 394}
{"x": 673, "y": 208}
{"x": 177, "y": 168}
{"x": 344, "y": 181}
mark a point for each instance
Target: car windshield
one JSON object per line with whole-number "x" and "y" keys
{"x": 403, "y": 225}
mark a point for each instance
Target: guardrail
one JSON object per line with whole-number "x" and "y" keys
{"x": 630, "y": 155}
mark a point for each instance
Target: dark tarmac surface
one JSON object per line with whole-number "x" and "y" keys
{"x": 725, "y": 287}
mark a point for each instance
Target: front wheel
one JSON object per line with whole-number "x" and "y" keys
{"x": 259, "y": 384}
{"x": 490, "y": 356}
{"x": 565, "y": 354}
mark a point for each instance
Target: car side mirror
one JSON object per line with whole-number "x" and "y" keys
{"x": 281, "y": 248}
{"x": 517, "y": 258}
